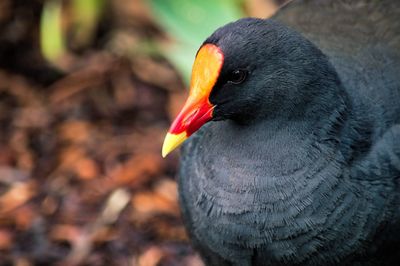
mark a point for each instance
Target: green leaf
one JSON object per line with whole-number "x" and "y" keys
{"x": 52, "y": 42}
{"x": 182, "y": 57}
{"x": 189, "y": 23}
{"x": 86, "y": 15}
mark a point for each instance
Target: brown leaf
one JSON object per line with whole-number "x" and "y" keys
{"x": 92, "y": 75}
{"x": 17, "y": 195}
{"x": 25, "y": 216}
{"x": 151, "y": 257}
{"x": 148, "y": 203}
{"x": 65, "y": 232}
{"x": 76, "y": 131}
{"x": 156, "y": 73}
{"x": 6, "y": 239}
{"x": 135, "y": 172}
{"x": 86, "y": 168}
{"x": 261, "y": 8}
{"x": 49, "y": 205}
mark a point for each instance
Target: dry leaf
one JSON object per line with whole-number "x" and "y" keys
{"x": 18, "y": 194}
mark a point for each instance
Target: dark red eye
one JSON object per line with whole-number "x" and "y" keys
{"x": 237, "y": 76}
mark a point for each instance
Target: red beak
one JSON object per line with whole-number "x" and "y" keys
{"x": 197, "y": 109}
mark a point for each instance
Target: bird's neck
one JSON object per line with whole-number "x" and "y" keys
{"x": 322, "y": 120}
{"x": 277, "y": 160}
{"x": 316, "y": 141}
{"x": 324, "y": 116}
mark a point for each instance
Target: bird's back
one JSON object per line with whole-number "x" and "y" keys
{"x": 362, "y": 40}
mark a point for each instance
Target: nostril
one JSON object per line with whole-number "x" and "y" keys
{"x": 190, "y": 117}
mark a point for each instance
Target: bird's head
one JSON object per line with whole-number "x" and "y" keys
{"x": 246, "y": 70}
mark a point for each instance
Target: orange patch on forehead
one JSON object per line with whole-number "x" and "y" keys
{"x": 205, "y": 72}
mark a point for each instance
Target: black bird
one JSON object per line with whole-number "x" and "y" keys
{"x": 300, "y": 164}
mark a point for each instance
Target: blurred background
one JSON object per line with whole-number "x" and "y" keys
{"x": 88, "y": 89}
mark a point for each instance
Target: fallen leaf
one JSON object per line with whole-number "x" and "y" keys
{"x": 6, "y": 239}
{"x": 18, "y": 194}
{"x": 151, "y": 257}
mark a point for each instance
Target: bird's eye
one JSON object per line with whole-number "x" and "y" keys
{"x": 237, "y": 76}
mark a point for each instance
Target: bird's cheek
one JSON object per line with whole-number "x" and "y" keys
{"x": 219, "y": 113}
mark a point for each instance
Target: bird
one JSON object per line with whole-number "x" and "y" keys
{"x": 291, "y": 138}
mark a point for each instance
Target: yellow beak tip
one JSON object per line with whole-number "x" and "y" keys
{"x": 164, "y": 152}
{"x": 171, "y": 142}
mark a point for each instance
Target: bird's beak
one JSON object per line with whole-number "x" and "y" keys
{"x": 197, "y": 109}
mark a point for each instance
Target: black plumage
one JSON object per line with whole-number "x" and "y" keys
{"x": 301, "y": 165}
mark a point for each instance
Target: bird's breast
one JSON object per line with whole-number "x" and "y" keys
{"x": 239, "y": 196}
